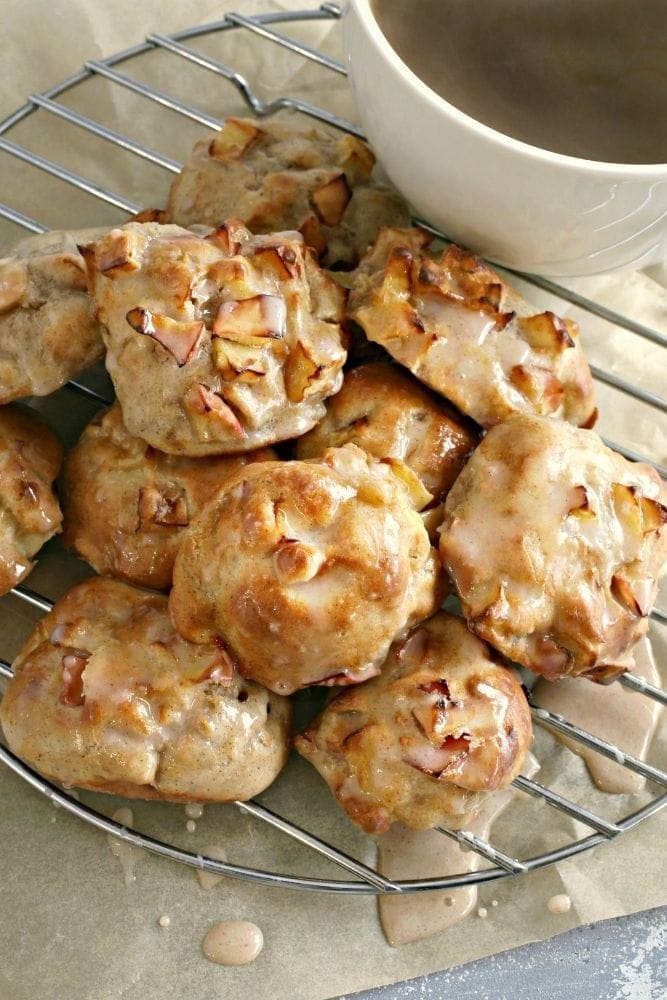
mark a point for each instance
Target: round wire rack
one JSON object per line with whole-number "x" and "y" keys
{"x": 269, "y": 30}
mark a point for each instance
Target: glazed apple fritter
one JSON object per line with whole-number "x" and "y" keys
{"x": 554, "y": 544}
{"x": 126, "y": 505}
{"x": 307, "y": 571}
{"x": 217, "y": 344}
{"x": 422, "y": 743}
{"x": 463, "y": 331}
{"x": 106, "y": 696}
{"x": 30, "y": 457}
{"x": 48, "y": 333}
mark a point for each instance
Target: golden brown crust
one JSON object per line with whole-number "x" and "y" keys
{"x": 277, "y": 175}
{"x": 554, "y": 543}
{"x": 30, "y": 457}
{"x": 107, "y": 696}
{"x": 390, "y": 415}
{"x": 464, "y": 332}
{"x": 218, "y": 344}
{"x": 306, "y": 570}
{"x": 48, "y": 333}
{"x": 126, "y": 505}
{"x": 442, "y": 725}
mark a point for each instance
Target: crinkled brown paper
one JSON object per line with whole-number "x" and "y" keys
{"x": 70, "y": 926}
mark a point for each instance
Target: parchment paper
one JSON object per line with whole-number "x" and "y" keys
{"x": 71, "y": 927}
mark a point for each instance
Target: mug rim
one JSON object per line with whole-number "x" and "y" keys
{"x": 440, "y": 104}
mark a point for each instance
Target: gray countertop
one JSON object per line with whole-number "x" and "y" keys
{"x": 620, "y": 959}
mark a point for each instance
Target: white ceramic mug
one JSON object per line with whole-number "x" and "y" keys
{"x": 516, "y": 204}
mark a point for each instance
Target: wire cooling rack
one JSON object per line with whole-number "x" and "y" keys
{"x": 268, "y": 27}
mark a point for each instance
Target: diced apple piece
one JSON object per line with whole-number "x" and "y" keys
{"x": 622, "y": 592}
{"x": 627, "y": 507}
{"x": 300, "y": 370}
{"x": 229, "y": 236}
{"x": 429, "y": 720}
{"x": 432, "y": 518}
{"x": 149, "y": 215}
{"x": 232, "y": 276}
{"x": 13, "y": 283}
{"x": 579, "y": 503}
{"x": 281, "y": 261}
{"x": 237, "y": 361}
{"x": 179, "y": 338}
{"x": 331, "y": 200}
{"x": 538, "y": 385}
{"x": 434, "y": 760}
{"x": 252, "y": 321}
{"x": 547, "y": 332}
{"x": 118, "y": 252}
{"x": 654, "y": 514}
{"x": 159, "y": 507}
{"x": 205, "y": 401}
{"x": 397, "y": 279}
{"x": 234, "y": 139}
{"x": 313, "y": 235}
{"x": 419, "y": 495}
{"x": 71, "y": 691}
{"x": 468, "y": 275}
{"x": 297, "y": 562}
{"x": 220, "y": 671}
{"x": 357, "y": 159}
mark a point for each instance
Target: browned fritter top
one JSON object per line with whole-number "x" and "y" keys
{"x": 307, "y": 570}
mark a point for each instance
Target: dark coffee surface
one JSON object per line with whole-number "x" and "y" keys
{"x": 582, "y": 77}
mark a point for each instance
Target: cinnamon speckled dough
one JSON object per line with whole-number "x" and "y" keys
{"x": 30, "y": 457}
{"x": 423, "y": 743}
{"x": 307, "y": 571}
{"x": 464, "y": 332}
{"x": 554, "y": 543}
{"x": 278, "y": 175}
{"x": 216, "y": 344}
{"x": 389, "y": 414}
{"x": 126, "y": 505}
{"x": 107, "y": 696}
{"x": 48, "y": 333}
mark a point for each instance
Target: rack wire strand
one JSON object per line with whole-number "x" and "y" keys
{"x": 69, "y": 176}
{"x": 98, "y": 129}
{"x": 287, "y": 43}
